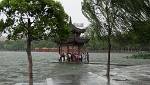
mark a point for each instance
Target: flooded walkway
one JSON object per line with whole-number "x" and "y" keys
{"x": 131, "y": 75}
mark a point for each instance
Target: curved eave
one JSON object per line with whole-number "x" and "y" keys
{"x": 72, "y": 41}
{"x": 77, "y": 30}
{"x": 82, "y": 41}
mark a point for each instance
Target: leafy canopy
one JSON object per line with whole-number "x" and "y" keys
{"x": 117, "y": 14}
{"x": 37, "y": 19}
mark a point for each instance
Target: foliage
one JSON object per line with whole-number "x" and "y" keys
{"x": 14, "y": 45}
{"x": 132, "y": 23}
{"x": 123, "y": 40}
{"x": 1, "y": 45}
{"x": 44, "y": 43}
{"x": 140, "y": 55}
{"x": 37, "y": 18}
{"x": 109, "y": 17}
{"x": 138, "y": 36}
{"x": 137, "y": 10}
{"x": 2, "y": 26}
{"x": 141, "y": 29}
{"x": 104, "y": 14}
{"x": 20, "y": 45}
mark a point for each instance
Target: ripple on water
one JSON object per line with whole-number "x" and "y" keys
{"x": 14, "y": 66}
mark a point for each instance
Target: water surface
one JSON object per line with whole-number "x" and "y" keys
{"x": 14, "y": 66}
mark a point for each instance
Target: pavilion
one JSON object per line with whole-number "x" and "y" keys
{"x": 74, "y": 43}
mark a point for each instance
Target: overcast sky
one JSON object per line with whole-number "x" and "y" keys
{"x": 73, "y": 9}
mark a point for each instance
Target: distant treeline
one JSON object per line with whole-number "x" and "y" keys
{"x": 94, "y": 45}
{"x": 20, "y": 45}
{"x": 122, "y": 44}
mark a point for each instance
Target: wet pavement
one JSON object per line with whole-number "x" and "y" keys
{"x": 131, "y": 75}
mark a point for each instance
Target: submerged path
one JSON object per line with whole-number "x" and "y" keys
{"x": 130, "y": 75}
{"x": 116, "y": 64}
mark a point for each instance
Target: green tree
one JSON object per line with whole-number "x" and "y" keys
{"x": 140, "y": 33}
{"x": 111, "y": 16}
{"x": 1, "y": 45}
{"x": 43, "y": 43}
{"x": 18, "y": 45}
{"x": 139, "y": 18}
{"x": 2, "y": 26}
{"x": 34, "y": 20}
{"x": 105, "y": 17}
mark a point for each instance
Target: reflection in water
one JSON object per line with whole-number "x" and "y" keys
{"x": 69, "y": 74}
{"x": 108, "y": 80}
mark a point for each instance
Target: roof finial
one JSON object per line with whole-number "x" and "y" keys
{"x": 70, "y": 22}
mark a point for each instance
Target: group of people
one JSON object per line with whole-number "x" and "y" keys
{"x": 68, "y": 57}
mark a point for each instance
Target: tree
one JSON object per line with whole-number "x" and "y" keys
{"x": 139, "y": 19}
{"x": 111, "y": 16}
{"x": 105, "y": 17}
{"x": 1, "y": 45}
{"x": 2, "y": 26}
{"x": 1, "y": 30}
{"x": 34, "y": 20}
{"x": 140, "y": 33}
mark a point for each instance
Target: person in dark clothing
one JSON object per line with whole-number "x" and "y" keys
{"x": 87, "y": 55}
{"x": 72, "y": 58}
{"x": 63, "y": 57}
{"x": 80, "y": 57}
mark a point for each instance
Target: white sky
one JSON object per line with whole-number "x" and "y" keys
{"x": 73, "y": 9}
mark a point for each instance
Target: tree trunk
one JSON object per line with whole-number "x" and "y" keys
{"x": 108, "y": 27}
{"x": 29, "y": 61}
{"x": 108, "y": 61}
{"x": 109, "y": 49}
{"x": 29, "y": 53}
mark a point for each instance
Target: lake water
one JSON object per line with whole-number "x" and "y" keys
{"x": 14, "y": 66}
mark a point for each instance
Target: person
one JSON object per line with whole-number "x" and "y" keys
{"x": 67, "y": 57}
{"x": 77, "y": 57}
{"x": 60, "y": 59}
{"x": 83, "y": 58}
{"x": 87, "y": 56}
{"x": 72, "y": 57}
{"x": 63, "y": 56}
{"x": 80, "y": 57}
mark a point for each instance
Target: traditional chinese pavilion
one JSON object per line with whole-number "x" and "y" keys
{"x": 74, "y": 43}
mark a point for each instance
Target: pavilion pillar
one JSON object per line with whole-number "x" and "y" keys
{"x": 78, "y": 49}
{"x": 72, "y": 49}
{"x": 59, "y": 49}
{"x": 67, "y": 49}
